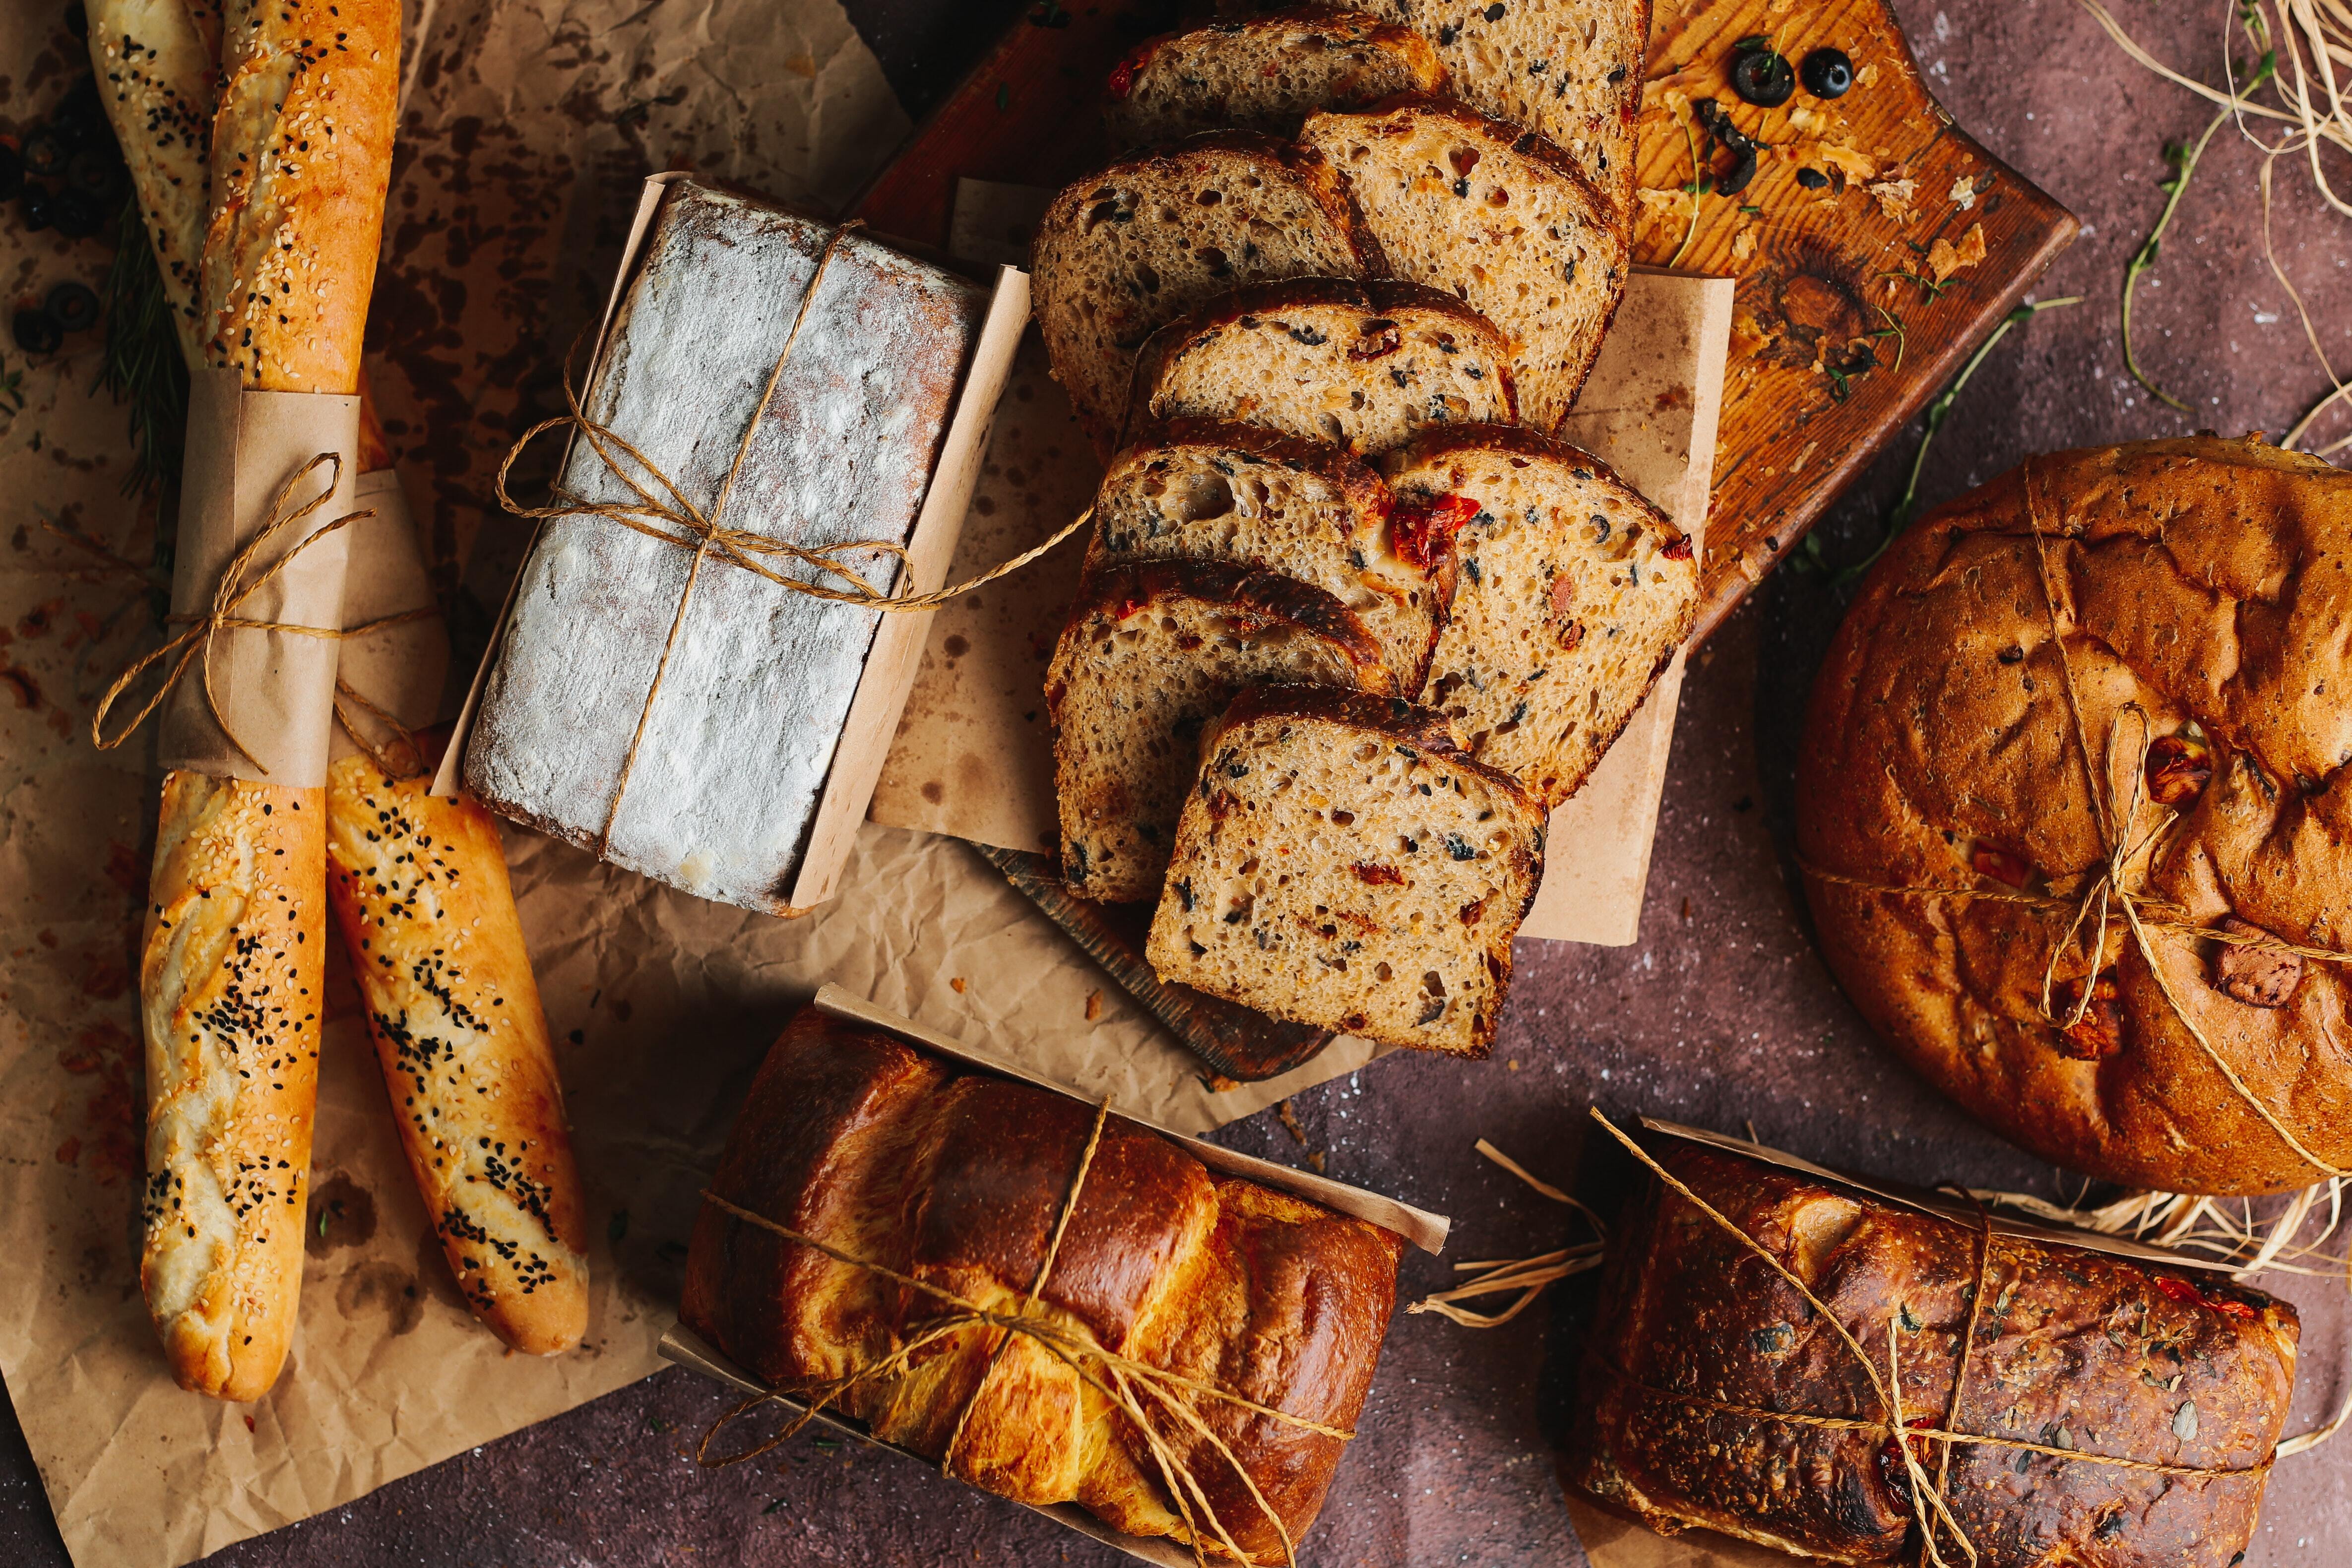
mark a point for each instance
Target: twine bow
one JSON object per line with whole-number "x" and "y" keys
{"x": 1122, "y": 1381}
{"x": 239, "y": 583}
{"x": 671, "y": 517}
{"x": 2110, "y": 893}
{"x": 1930, "y": 1510}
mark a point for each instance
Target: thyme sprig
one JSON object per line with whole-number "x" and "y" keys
{"x": 142, "y": 366}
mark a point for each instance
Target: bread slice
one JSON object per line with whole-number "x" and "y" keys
{"x": 1363, "y": 364}
{"x": 1497, "y": 216}
{"x": 1343, "y": 863}
{"x": 1125, "y": 251}
{"x": 1202, "y": 490}
{"x": 1573, "y": 593}
{"x": 1569, "y": 69}
{"x": 1153, "y": 651}
{"x": 1265, "y": 73}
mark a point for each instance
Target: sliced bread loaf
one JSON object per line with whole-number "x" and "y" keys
{"x": 1202, "y": 490}
{"x": 1497, "y": 216}
{"x": 1363, "y": 364}
{"x": 1343, "y": 863}
{"x": 1573, "y": 593}
{"x": 1153, "y": 651}
{"x": 1263, "y": 73}
{"x": 1125, "y": 251}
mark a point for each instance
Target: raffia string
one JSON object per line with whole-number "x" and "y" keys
{"x": 670, "y": 517}
{"x": 1927, "y": 1501}
{"x": 1122, "y": 1381}
{"x": 240, "y": 583}
{"x": 2108, "y": 895}
{"x": 1526, "y": 1277}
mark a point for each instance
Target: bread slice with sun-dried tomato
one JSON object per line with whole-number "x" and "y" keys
{"x": 1201, "y": 489}
{"x": 1342, "y": 863}
{"x": 1572, "y": 593}
{"x": 1497, "y": 215}
{"x": 1266, "y": 73}
{"x": 1154, "y": 650}
{"x": 1330, "y": 358}
{"x": 1123, "y": 252}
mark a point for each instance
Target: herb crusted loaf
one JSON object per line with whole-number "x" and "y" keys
{"x": 1204, "y": 490}
{"x": 1343, "y": 862}
{"x": 1572, "y": 592}
{"x": 1264, "y": 73}
{"x": 1123, "y": 252}
{"x": 1154, "y": 650}
{"x": 1364, "y": 363}
{"x": 1499, "y": 216}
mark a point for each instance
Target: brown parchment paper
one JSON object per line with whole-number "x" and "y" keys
{"x": 403, "y": 667}
{"x": 275, "y": 690}
{"x": 972, "y": 758}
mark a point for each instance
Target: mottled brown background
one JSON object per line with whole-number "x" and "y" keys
{"x": 1721, "y": 1014}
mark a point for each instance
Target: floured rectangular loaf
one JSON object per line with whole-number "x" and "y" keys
{"x": 712, "y": 781}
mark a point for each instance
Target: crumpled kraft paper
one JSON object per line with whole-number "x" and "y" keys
{"x": 400, "y": 668}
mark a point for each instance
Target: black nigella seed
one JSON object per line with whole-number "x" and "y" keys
{"x": 37, "y": 332}
{"x": 78, "y": 214}
{"x": 1827, "y": 73}
{"x": 45, "y": 153}
{"x": 1762, "y": 77}
{"x": 1813, "y": 179}
{"x": 75, "y": 306}
{"x": 36, "y": 214}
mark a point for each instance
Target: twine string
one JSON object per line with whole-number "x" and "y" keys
{"x": 239, "y": 583}
{"x": 2108, "y": 895}
{"x": 1928, "y": 1504}
{"x": 672, "y": 519}
{"x": 1123, "y": 1382}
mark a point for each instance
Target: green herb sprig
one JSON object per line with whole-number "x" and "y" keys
{"x": 143, "y": 367}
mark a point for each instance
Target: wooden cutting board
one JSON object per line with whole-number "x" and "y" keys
{"x": 1833, "y": 351}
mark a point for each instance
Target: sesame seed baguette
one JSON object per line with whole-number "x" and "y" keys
{"x": 420, "y": 892}
{"x": 158, "y": 72}
{"x": 232, "y": 961}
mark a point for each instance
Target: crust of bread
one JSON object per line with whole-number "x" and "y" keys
{"x": 420, "y": 892}
{"x": 301, "y": 155}
{"x": 1281, "y": 36}
{"x": 156, "y": 71}
{"x": 957, "y": 1178}
{"x": 231, "y": 970}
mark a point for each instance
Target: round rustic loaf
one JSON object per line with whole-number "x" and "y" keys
{"x": 2201, "y": 589}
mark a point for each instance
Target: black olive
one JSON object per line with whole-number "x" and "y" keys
{"x": 36, "y": 214}
{"x": 1762, "y": 77}
{"x": 97, "y": 171}
{"x": 80, "y": 117}
{"x": 1812, "y": 179}
{"x": 1827, "y": 73}
{"x": 45, "y": 153}
{"x": 75, "y": 306}
{"x": 12, "y": 173}
{"x": 77, "y": 20}
{"x": 77, "y": 214}
{"x": 37, "y": 332}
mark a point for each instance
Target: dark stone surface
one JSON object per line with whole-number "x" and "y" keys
{"x": 1721, "y": 1014}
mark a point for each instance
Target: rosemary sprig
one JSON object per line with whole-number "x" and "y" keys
{"x": 2183, "y": 161}
{"x": 1898, "y": 516}
{"x": 143, "y": 367}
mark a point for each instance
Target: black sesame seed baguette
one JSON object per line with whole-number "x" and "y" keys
{"x": 1265, "y": 73}
{"x": 1497, "y": 215}
{"x": 1122, "y": 252}
{"x": 158, "y": 74}
{"x": 420, "y": 891}
{"x": 1153, "y": 650}
{"x": 1572, "y": 593}
{"x": 1201, "y": 489}
{"x": 1342, "y": 863}
{"x": 1363, "y": 364}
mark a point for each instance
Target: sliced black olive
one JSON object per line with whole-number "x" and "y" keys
{"x": 12, "y": 174}
{"x": 45, "y": 153}
{"x": 1812, "y": 179}
{"x": 1762, "y": 77}
{"x": 37, "y": 332}
{"x": 75, "y": 306}
{"x": 36, "y": 214}
{"x": 77, "y": 216}
{"x": 97, "y": 171}
{"x": 1827, "y": 73}
{"x": 80, "y": 117}
{"x": 1743, "y": 170}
